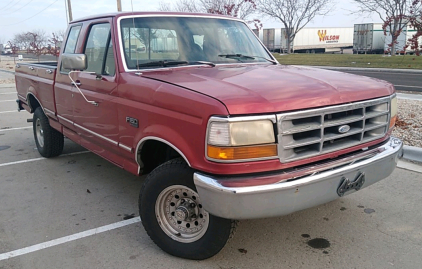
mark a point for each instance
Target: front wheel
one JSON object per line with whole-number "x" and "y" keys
{"x": 48, "y": 140}
{"x": 173, "y": 215}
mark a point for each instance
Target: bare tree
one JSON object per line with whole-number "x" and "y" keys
{"x": 243, "y": 9}
{"x": 38, "y": 43}
{"x": 55, "y": 43}
{"x": 182, "y": 6}
{"x": 293, "y": 14}
{"x": 416, "y": 21}
{"x": 394, "y": 13}
{"x": 21, "y": 40}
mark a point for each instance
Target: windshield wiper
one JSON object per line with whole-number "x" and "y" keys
{"x": 163, "y": 63}
{"x": 204, "y": 62}
{"x": 236, "y": 56}
{"x": 241, "y": 56}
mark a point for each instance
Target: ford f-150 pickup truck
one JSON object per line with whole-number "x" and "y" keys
{"x": 222, "y": 130}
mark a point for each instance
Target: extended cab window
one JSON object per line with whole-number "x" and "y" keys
{"x": 99, "y": 50}
{"x": 71, "y": 41}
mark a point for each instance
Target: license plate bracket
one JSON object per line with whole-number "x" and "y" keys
{"x": 347, "y": 185}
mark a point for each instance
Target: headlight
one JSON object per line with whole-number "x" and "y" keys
{"x": 242, "y": 138}
{"x": 393, "y": 111}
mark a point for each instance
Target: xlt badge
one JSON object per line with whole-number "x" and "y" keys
{"x": 132, "y": 121}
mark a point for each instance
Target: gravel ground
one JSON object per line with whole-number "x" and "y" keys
{"x": 409, "y": 123}
{"x": 7, "y": 63}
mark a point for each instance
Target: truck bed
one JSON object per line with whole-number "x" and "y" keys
{"x": 38, "y": 79}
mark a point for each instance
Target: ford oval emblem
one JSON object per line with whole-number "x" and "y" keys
{"x": 343, "y": 129}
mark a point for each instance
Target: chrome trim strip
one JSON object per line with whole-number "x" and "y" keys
{"x": 138, "y": 147}
{"x": 96, "y": 134}
{"x": 49, "y": 111}
{"x": 242, "y": 119}
{"x": 63, "y": 118}
{"x": 122, "y": 56}
{"x": 125, "y": 147}
{"x": 22, "y": 97}
{"x": 238, "y": 119}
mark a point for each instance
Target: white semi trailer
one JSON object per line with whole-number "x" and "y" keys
{"x": 402, "y": 40}
{"x": 368, "y": 38}
{"x": 308, "y": 40}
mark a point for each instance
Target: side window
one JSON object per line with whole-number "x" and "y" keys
{"x": 99, "y": 50}
{"x": 71, "y": 41}
{"x": 109, "y": 67}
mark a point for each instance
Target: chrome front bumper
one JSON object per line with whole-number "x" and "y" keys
{"x": 297, "y": 189}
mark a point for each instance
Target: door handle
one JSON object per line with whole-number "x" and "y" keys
{"x": 31, "y": 68}
{"x": 49, "y": 71}
{"x": 76, "y": 83}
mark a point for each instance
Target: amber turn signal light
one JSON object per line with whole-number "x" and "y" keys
{"x": 393, "y": 121}
{"x": 241, "y": 153}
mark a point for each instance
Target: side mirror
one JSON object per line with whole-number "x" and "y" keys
{"x": 74, "y": 61}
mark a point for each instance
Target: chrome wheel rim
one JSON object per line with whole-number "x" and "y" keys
{"x": 180, "y": 214}
{"x": 39, "y": 133}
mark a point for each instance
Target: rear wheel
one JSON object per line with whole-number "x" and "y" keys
{"x": 173, "y": 215}
{"x": 48, "y": 140}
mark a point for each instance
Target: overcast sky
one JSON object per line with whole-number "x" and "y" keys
{"x": 18, "y": 16}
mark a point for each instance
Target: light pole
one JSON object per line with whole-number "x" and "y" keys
{"x": 69, "y": 8}
{"x": 119, "y": 5}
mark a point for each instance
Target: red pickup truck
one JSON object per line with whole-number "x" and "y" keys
{"x": 223, "y": 130}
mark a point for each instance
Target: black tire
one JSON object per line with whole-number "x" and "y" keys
{"x": 48, "y": 140}
{"x": 173, "y": 174}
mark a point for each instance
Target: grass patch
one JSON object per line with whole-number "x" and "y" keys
{"x": 352, "y": 60}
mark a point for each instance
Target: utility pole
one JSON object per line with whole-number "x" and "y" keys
{"x": 69, "y": 8}
{"x": 119, "y": 5}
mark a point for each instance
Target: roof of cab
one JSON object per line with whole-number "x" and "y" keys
{"x": 150, "y": 13}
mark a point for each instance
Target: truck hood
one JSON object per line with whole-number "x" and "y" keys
{"x": 257, "y": 89}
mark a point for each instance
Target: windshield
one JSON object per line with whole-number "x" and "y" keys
{"x": 148, "y": 42}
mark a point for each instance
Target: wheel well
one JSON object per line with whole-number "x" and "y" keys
{"x": 33, "y": 102}
{"x": 154, "y": 153}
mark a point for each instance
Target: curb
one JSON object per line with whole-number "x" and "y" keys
{"x": 7, "y": 71}
{"x": 416, "y": 71}
{"x": 409, "y": 96}
{"x": 412, "y": 153}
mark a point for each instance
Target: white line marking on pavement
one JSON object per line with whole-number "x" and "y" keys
{"x": 8, "y": 100}
{"x": 420, "y": 87}
{"x": 7, "y": 92}
{"x": 8, "y": 111}
{"x": 42, "y": 158}
{"x": 62, "y": 240}
{"x": 12, "y": 129}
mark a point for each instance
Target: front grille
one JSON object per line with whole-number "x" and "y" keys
{"x": 314, "y": 132}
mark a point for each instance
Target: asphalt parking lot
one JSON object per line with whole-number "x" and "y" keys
{"x": 75, "y": 211}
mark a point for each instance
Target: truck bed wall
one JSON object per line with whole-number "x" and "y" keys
{"x": 37, "y": 79}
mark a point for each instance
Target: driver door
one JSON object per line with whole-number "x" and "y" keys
{"x": 94, "y": 103}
